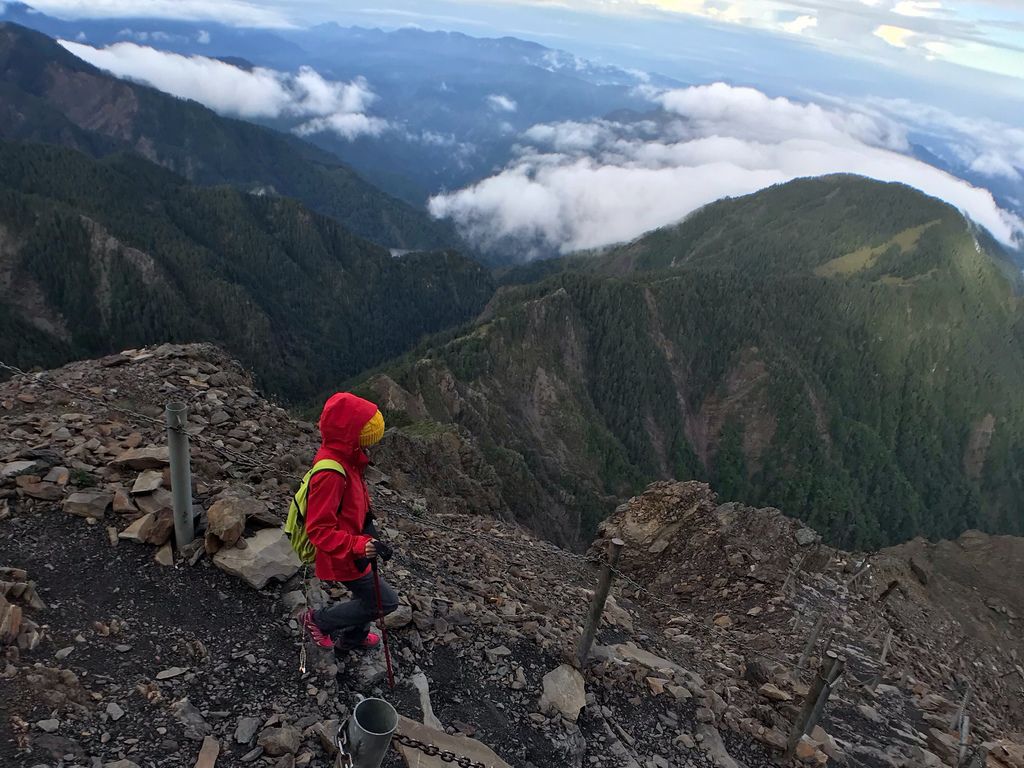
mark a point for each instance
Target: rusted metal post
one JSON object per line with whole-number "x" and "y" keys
{"x": 604, "y": 584}
{"x": 821, "y": 687}
{"x": 181, "y": 473}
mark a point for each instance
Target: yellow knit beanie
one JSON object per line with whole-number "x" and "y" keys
{"x": 372, "y": 432}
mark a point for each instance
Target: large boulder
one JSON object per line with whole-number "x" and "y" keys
{"x": 564, "y": 692}
{"x": 226, "y": 521}
{"x": 151, "y": 528}
{"x": 266, "y": 555}
{"x": 155, "y": 502}
{"x": 150, "y": 457}
{"x": 88, "y": 503}
{"x": 147, "y": 482}
{"x": 284, "y": 740}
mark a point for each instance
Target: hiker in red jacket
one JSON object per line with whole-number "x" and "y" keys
{"x": 340, "y": 525}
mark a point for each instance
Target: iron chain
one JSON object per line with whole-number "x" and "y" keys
{"x": 431, "y": 750}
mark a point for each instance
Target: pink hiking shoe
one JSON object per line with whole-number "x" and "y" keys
{"x": 309, "y": 623}
{"x": 368, "y": 643}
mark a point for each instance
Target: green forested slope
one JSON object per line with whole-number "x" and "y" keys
{"x": 848, "y": 351}
{"x": 99, "y": 255}
{"x": 49, "y": 95}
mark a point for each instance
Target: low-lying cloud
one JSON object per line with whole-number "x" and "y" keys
{"x": 501, "y": 103}
{"x": 580, "y": 185}
{"x": 323, "y": 105}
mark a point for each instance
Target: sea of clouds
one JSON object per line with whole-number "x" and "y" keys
{"x": 579, "y": 185}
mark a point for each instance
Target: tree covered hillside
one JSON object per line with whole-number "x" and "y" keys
{"x": 96, "y": 256}
{"x": 846, "y": 350}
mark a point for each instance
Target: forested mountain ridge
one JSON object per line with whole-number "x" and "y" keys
{"x": 100, "y": 255}
{"x": 846, "y": 350}
{"x": 49, "y": 95}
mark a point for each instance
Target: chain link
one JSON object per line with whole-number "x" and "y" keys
{"x": 444, "y": 755}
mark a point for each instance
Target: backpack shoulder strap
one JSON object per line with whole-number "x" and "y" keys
{"x": 328, "y": 464}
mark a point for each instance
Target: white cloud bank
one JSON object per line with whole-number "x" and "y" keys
{"x": 258, "y": 93}
{"x": 585, "y": 185}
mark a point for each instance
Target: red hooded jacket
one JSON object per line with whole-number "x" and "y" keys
{"x": 338, "y": 505}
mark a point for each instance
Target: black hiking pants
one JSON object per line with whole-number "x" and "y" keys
{"x": 348, "y": 622}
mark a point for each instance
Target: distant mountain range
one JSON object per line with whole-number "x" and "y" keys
{"x": 846, "y": 350}
{"x": 49, "y": 95}
{"x": 435, "y": 88}
{"x": 131, "y": 217}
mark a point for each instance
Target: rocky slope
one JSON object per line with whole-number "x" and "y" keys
{"x": 121, "y": 652}
{"x": 845, "y": 350}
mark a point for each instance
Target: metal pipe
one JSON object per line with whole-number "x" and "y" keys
{"x": 814, "y": 704}
{"x": 812, "y": 641}
{"x": 604, "y": 584}
{"x": 181, "y": 473}
{"x": 885, "y": 647}
{"x": 368, "y": 734}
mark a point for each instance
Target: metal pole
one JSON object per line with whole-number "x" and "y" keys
{"x": 812, "y": 640}
{"x": 885, "y": 647}
{"x": 821, "y": 687}
{"x": 181, "y": 473}
{"x": 791, "y": 577}
{"x": 597, "y": 605}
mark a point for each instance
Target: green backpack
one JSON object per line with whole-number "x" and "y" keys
{"x": 295, "y": 525}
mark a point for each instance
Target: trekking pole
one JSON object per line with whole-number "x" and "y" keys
{"x": 383, "y": 627}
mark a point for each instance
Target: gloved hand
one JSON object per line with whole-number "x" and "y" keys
{"x": 384, "y": 550}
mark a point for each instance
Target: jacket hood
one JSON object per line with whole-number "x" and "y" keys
{"x": 342, "y": 419}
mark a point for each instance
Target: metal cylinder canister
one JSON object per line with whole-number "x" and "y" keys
{"x": 365, "y": 737}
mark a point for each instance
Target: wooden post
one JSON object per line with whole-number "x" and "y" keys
{"x": 821, "y": 687}
{"x": 604, "y": 584}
